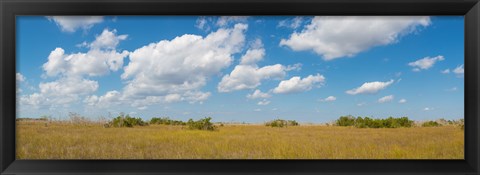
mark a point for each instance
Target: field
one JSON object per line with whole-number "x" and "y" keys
{"x": 55, "y": 140}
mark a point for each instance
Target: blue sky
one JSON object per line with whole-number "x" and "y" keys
{"x": 241, "y": 69}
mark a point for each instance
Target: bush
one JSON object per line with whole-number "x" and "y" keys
{"x": 281, "y": 123}
{"x": 367, "y": 122}
{"x": 126, "y": 121}
{"x": 345, "y": 121}
{"x": 166, "y": 121}
{"x": 202, "y": 124}
{"x": 431, "y": 124}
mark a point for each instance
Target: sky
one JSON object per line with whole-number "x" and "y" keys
{"x": 241, "y": 69}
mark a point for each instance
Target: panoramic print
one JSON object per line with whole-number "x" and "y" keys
{"x": 240, "y": 87}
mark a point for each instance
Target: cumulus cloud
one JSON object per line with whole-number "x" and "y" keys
{"x": 92, "y": 63}
{"x": 370, "y": 87}
{"x": 427, "y": 109}
{"x": 402, "y": 100}
{"x": 385, "y": 99}
{"x": 258, "y": 94}
{"x": 252, "y": 56}
{"x": 263, "y": 102}
{"x": 60, "y": 92}
{"x": 248, "y": 75}
{"x": 297, "y": 84}
{"x": 72, "y": 23}
{"x": 425, "y": 63}
{"x": 110, "y": 98}
{"x": 180, "y": 66}
{"x": 20, "y": 77}
{"x": 72, "y": 71}
{"x": 329, "y": 98}
{"x": 107, "y": 40}
{"x": 99, "y": 60}
{"x": 345, "y": 36}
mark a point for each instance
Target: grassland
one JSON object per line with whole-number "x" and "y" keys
{"x": 42, "y": 140}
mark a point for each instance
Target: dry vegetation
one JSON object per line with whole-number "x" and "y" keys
{"x": 57, "y": 140}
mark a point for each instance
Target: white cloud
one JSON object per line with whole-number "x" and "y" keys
{"x": 225, "y": 20}
{"x": 72, "y": 23}
{"x": 107, "y": 40}
{"x": 294, "y": 67}
{"x": 385, "y": 99}
{"x": 258, "y": 94}
{"x": 446, "y": 71}
{"x": 257, "y": 110}
{"x": 99, "y": 60}
{"x": 425, "y": 63}
{"x": 72, "y": 70}
{"x": 263, "y": 102}
{"x": 335, "y": 36}
{"x": 202, "y": 23}
{"x": 297, "y": 84}
{"x": 459, "y": 70}
{"x": 180, "y": 66}
{"x": 60, "y": 92}
{"x": 252, "y": 56}
{"x": 329, "y": 98}
{"x": 249, "y": 77}
{"x": 92, "y": 63}
{"x": 20, "y": 77}
{"x": 293, "y": 23}
{"x": 402, "y": 100}
{"x": 370, "y": 87}
{"x": 110, "y": 98}
{"x": 427, "y": 109}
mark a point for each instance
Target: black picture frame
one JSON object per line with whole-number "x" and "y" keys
{"x": 9, "y": 9}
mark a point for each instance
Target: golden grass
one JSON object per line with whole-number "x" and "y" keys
{"x": 35, "y": 140}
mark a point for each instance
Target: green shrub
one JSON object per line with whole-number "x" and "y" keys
{"x": 281, "y": 123}
{"x": 126, "y": 121}
{"x": 346, "y": 121}
{"x": 166, "y": 121}
{"x": 431, "y": 124}
{"x": 202, "y": 124}
{"x": 367, "y": 122}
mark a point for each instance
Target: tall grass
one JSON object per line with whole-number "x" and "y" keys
{"x": 58, "y": 140}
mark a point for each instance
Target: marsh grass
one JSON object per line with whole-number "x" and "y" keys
{"x": 57, "y": 140}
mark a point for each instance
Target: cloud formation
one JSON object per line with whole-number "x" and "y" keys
{"x": 180, "y": 66}
{"x": 370, "y": 87}
{"x": 297, "y": 84}
{"x": 72, "y": 71}
{"x": 248, "y": 75}
{"x": 329, "y": 98}
{"x": 385, "y": 99}
{"x": 334, "y": 37}
{"x": 425, "y": 63}
{"x": 258, "y": 94}
{"x": 72, "y": 23}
